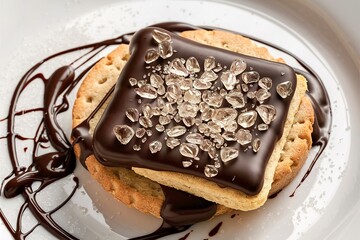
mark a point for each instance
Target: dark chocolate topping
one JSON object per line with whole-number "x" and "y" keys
{"x": 51, "y": 166}
{"x": 244, "y": 173}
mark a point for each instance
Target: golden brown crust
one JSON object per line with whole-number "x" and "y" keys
{"x": 138, "y": 191}
{"x": 297, "y": 146}
{"x": 230, "y": 41}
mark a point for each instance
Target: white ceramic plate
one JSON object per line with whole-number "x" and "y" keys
{"x": 327, "y": 205}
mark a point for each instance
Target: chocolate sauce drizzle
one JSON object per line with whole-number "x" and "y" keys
{"x": 215, "y": 230}
{"x": 59, "y": 162}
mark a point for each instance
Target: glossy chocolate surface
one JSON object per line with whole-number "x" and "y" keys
{"x": 245, "y": 173}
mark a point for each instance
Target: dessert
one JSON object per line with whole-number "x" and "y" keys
{"x": 53, "y": 155}
{"x": 154, "y": 117}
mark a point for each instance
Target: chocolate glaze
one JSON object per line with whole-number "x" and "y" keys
{"x": 51, "y": 166}
{"x": 246, "y": 173}
{"x": 215, "y": 230}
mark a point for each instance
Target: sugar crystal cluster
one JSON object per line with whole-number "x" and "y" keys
{"x": 199, "y": 106}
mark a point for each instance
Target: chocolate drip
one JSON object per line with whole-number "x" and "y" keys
{"x": 51, "y": 166}
{"x": 323, "y": 117}
{"x": 185, "y": 236}
{"x": 164, "y": 230}
{"x": 215, "y": 230}
{"x": 182, "y": 208}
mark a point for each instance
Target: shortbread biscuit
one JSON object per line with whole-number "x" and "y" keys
{"x": 144, "y": 194}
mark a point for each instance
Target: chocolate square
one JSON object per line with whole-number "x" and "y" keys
{"x": 244, "y": 172}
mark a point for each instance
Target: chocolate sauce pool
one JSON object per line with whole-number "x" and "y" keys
{"x": 49, "y": 167}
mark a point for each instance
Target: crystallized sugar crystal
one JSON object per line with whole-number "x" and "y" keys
{"x": 176, "y": 131}
{"x": 173, "y": 93}
{"x": 185, "y": 83}
{"x": 223, "y": 116}
{"x": 155, "y": 146}
{"x": 132, "y": 81}
{"x": 160, "y": 36}
{"x": 216, "y": 136}
{"x": 232, "y": 126}
{"x": 151, "y": 55}
{"x": 244, "y": 87}
{"x": 208, "y": 76}
{"x": 164, "y": 120}
{"x": 195, "y": 138}
{"x": 147, "y": 110}
{"x": 189, "y": 150}
{"x": 201, "y": 84}
{"x": 161, "y": 90}
{"x": 132, "y": 114}
{"x": 214, "y": 127}
{"x": 210, "y": 171}
{"x": 172, "y": 142}
{"x": 229, "y": 136}
{"x": 141, "y": 83}
{"x": 237, "y": 66}
{"x": 236, "y": 99}
{"x": 284, "y": 89}
{"x": 123, "y": 133}
{"x": 165, "y": 49}
{"x": 177, "y": 67}
{"x": 256, "y": 144}
{"x": 247, "y": 119}
{"x": 188, "y": 110}
{"x": 250, "y": 77}
{"x": 243, "y": 136}
{"x": 192, "y": 96}
{"x": 137, "y": 147}
{"x": 186, "y": 163}
{"x": 156, "y": 80}
{"x": 146, "y": 91}
{"x": 218, "y": 68}
{"x": 213, "y": 99}
{"x": 263, "y": 127}
{"x": 159, "y": 128}
{"x": 209, "y": 63}
{"x": 267, "y": 113}
{"x": 228, "y": 79}
{"x": 265, "y": 83}
{"x": 140, "y": 132}
{"x": 207, "y": 114}
{"x": 145, "y": 122}
{"x": 205, "y": 145}
{"x": 192, "y": 65}
{"x": 229, "y": 153}
{"x": 262, "y": 94}
{"x": 188, "y": 121}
